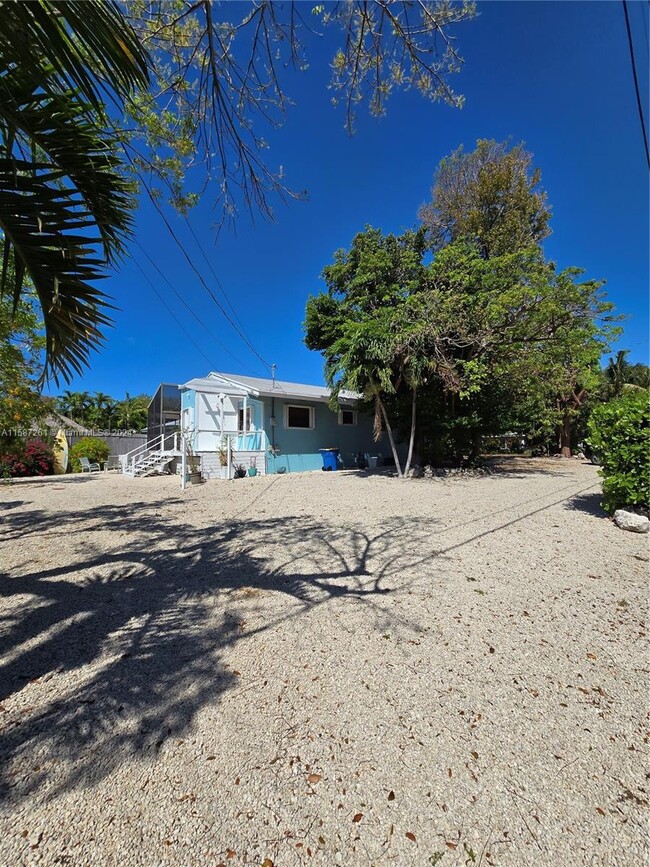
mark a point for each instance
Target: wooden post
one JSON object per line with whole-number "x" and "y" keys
{"x": 183, "y": 461}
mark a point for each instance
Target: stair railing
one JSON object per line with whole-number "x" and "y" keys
{"x": 130, "y": 459}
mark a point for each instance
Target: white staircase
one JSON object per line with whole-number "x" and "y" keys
{"x": 154, "y": 462}
{"x": 151, "y": 458}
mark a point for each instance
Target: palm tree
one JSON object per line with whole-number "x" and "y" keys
{"x": 132, "y": 411}
{"x": 639, "y": 375}
{"x": 75, "y": 405}
{"x": 65, "y": 203}
{"x": 82, "y": 403}
{"x": 616, "y": 373}
{"x": 65, "y": 404}
{"x": 98, "y": 408}
{"x": 110, "y": 408}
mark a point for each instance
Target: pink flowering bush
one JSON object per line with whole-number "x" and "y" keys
{"x": 35, "y": 458}
{"x": 39, "y": 458}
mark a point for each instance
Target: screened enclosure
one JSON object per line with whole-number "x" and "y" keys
{"x": 164, "y": 414}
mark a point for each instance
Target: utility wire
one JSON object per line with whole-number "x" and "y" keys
{"x": 636, "y": 82}
{"x": 171, "y": 313}
{"x": 237, "y": 329}
{"x": 203, "y": 282}
{"x": 209, "y": 264}
{"x": 184, "y": 302}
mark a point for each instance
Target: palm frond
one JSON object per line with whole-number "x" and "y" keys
{"x": 56, "y": 125}
{"x": 65, "y": 204}
{"x": 49, "y": 231}
{"x": 90, "y": 45}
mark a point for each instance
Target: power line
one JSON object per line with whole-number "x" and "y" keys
{"x": 209, "y": 264}
{"x": 171, "y": 231}
{"x": 239, "y": 330}
{"x": 636, "y": 81}
{"x": 171, "y": 312}
{"x": 184, "y": 302}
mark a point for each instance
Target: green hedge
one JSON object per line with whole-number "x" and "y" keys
{"x": 88, "y": 447}
{"x": 619, "y": 434}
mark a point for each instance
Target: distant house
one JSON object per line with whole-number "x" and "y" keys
{"x": 276, "y": 426}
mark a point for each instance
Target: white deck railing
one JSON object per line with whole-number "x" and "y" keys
{"x": 130, "y": 460}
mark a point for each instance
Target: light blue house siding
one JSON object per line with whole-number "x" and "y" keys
{"x": 297, "y": 449}
{"x": 272, "y": 425}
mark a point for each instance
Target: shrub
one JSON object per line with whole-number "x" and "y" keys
{"x": 88, "y": 447}
{"x": 34, "y": 458}
{"x": 12, "y": 466}
{"x": 39, "y": 458}
{"x": 619, "y": 434}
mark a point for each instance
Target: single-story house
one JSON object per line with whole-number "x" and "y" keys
{"x": 273, "y": 425}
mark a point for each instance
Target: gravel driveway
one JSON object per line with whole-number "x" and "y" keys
{"x": 322, "y": 669}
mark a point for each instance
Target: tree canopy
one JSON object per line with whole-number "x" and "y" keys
{"x": 491, "y": 196}
{"x": 359, "y": 327}
{"x": 485, "y": 335}
{"x": 101, "y": 411}
{"x": 220, "y": 81}
{"x": 190, "y": 87}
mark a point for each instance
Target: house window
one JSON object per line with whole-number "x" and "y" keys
{"x": 301, "y": 417}
{"x": 347, "y": 417}
{"x": 241, "y": 427}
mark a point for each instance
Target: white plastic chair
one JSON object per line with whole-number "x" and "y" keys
{"x": 87, "y": 467}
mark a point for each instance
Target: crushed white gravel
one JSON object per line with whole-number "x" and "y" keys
{"x": 322, "y": 669}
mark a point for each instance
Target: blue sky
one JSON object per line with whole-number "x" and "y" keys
{"x": 556, "y": 75}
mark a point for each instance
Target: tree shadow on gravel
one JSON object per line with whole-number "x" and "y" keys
{"x": 144, "y": 617}
{"x": 518, "y": 467}
{"x": 31, "y": 482}
{"x": 588, "y": 503}
{"x": 12, "y": 504}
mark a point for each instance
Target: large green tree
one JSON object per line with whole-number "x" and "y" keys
{"x": 512, "y": 318}
{"x": 490, "y": 196}
{"x": 359, "y": 327}
{"x": 473, "y": 340}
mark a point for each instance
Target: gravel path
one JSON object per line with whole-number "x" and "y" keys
{"x": 322, "y": 669}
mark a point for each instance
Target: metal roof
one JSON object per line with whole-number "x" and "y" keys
{"x": 254, "y": 385}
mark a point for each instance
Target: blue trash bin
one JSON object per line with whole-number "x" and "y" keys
{"x": 330, "y": 459}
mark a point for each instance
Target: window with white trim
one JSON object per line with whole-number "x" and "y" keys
{"x": 347, "y": 417}
{"x": 298, "y": 417}
{"x": 248, "y": 426}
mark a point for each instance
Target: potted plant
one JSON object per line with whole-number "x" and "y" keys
{"x": 193, "y": 466}
{"x": 252, "y": 470}
{"x": 240, "y": 471}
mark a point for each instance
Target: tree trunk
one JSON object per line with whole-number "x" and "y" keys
{"x": 412, "y": 440}
{"x": 391, "y": 440}
{"x": 477, "y": 441}
{"x": 565, "y": 435}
